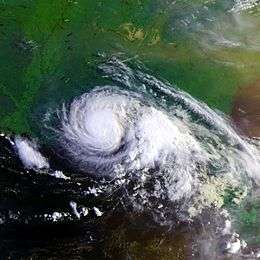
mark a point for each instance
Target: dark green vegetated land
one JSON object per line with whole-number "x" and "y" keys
{"x": 49, "y": 50}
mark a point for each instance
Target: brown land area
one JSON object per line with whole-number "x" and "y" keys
{"x": 246, "y": 109}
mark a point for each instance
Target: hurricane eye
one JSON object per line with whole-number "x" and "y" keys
{"x": 104, "y": 130}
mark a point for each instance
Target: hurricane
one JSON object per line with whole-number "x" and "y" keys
{"x": 142, "y": 132}
{"x": 137, "y": 145}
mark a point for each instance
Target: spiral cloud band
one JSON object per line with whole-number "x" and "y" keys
{"x": 169, "y": 145}
{"x": 109, "y": 127}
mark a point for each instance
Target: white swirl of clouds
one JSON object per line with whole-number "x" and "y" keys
{"x": 107, "y": 128}
{"x": 173, "y": 147}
